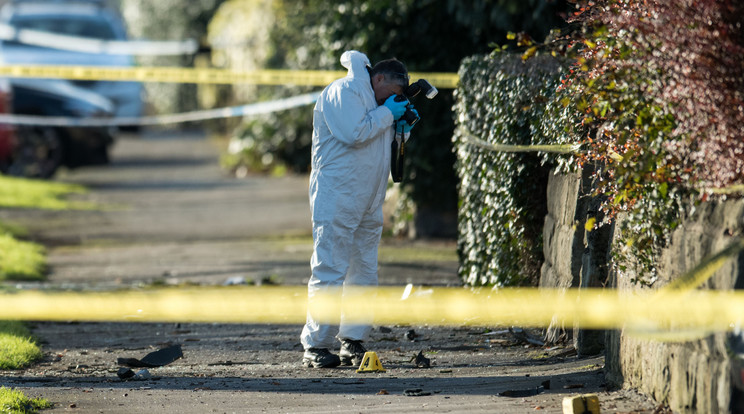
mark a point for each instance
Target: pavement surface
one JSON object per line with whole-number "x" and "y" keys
{"x": 170, "y": 216}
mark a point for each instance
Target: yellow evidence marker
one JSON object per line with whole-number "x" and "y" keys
{"x": 581, "y": 404}
{"x": 370, "y": 363}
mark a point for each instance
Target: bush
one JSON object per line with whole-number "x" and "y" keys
{"x": 659, "y": 86}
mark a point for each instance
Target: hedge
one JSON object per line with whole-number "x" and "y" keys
{"x": 502, "y": 196}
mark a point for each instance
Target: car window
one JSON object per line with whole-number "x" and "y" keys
{"x": 66, "y": 25}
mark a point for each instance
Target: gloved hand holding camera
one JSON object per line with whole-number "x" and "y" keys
{"x": 403, "y": 124}
{"x": 410, "y": 115}
{"x": 397, "y": 107}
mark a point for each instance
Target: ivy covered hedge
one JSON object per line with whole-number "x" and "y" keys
{"x": 502, "y": 196}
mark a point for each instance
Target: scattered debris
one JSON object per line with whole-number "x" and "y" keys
{"x": 415, "y": 392}
{"x": 154, "y": 359}
{"x": 128, "y": 374}
{"x": 421, "y": 361}
{"x": 271, "y": 280}
{"x": 569, "y": 351}
{"x": 411, "y": 335}
{"x": 528, "y": 392}
{"x": 499, "y": 332}
{"x": 385, "y": 329}
{"x": 124, "y": 373}
{"x": 142, "y": 374}
{"x": 383, "y": 392}
{"x": 235, "y": 280}
{"x": 523, "y": 336}
{"x": 229, "y": 363}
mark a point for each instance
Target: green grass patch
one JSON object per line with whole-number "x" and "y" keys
{"x": 21, "y": 260}
{"x": 15, "y": 402}
{"x": 18, "y": 349}
{"x": 27, "y": 193}
{"x": 13, "y": 229}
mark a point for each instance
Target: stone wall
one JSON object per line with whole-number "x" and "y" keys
{"x": 695, "y": 375}
{"x": 574, "y": 257}
{"x": 690, "y": 376}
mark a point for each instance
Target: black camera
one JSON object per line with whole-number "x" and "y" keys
{"x": 408, "y": 116}
{"x": 412, "y": 90}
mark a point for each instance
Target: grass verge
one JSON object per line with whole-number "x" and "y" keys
{"x": 26, "y": 193}
{"x": 21, "y": 260}
{"x": 18, "y": 349}
{"x": 15, "y": 402}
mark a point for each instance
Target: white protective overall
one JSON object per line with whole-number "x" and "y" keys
{"x": 350, "y": 169}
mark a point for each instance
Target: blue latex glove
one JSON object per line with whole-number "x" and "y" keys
{"x": 397, "y": 108}
{"x": 402, "y": 126}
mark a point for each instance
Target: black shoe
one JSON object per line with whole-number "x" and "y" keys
{"x": 320, "y": 358}
{"x": 352, "y": 352}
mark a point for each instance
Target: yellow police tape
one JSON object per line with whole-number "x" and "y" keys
{"x": 705, "y": 269}
{"x": 469, "y": 138}
{"x": 694, "y": 311}
{"x": 200, "y": 75}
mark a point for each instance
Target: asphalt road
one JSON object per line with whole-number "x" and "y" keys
{"x": 170, "y": 216}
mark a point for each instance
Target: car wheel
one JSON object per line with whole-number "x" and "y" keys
{"x": 38, "y": 154}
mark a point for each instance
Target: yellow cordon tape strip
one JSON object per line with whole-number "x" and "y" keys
{"x": 697, "y": 311}
{"x": 705, "y": 269}
{"x": 200, "y": 76}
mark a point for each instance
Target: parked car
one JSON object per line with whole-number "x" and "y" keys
{"x": 92, "y": 19}
{"x": 39, "y": 150}
{"x": 7, "y": 132}
{"x": 42, "y": 149}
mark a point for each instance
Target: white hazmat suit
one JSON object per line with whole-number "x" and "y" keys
{"x": 350, "y": 169}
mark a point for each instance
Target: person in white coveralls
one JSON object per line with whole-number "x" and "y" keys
{"x": 354, "y": 123}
